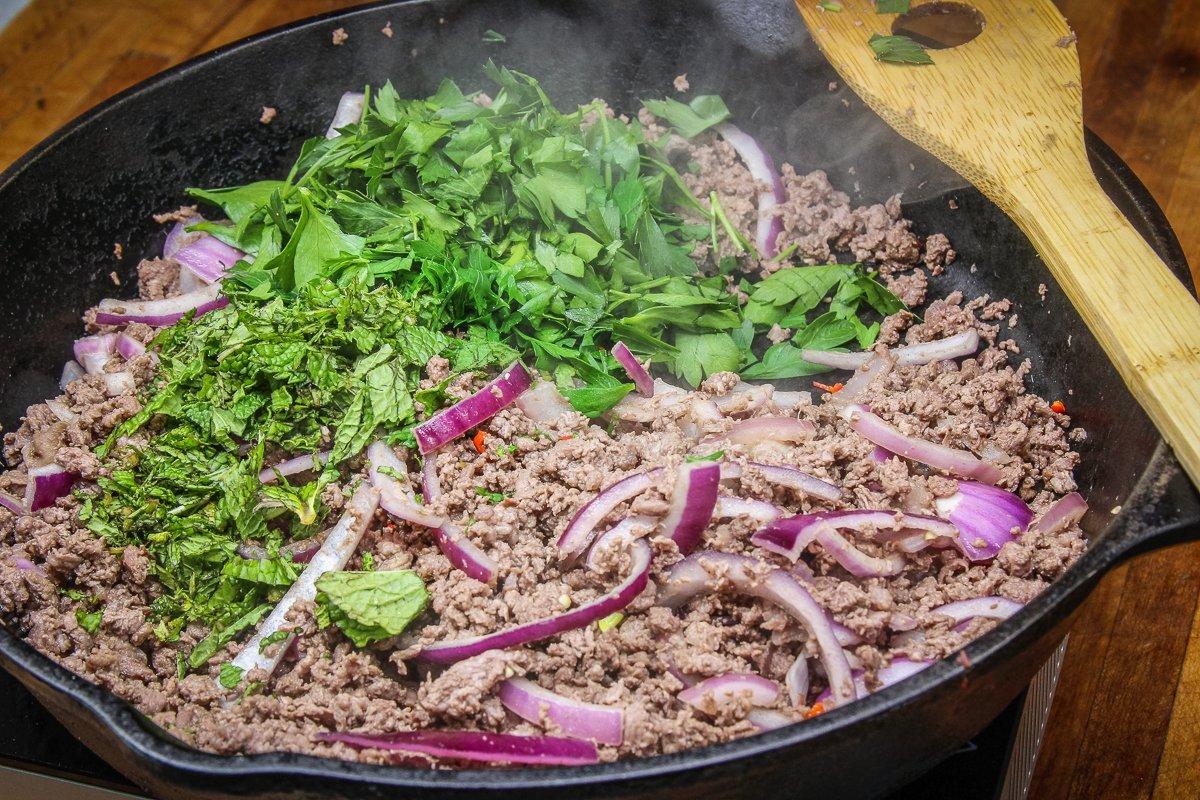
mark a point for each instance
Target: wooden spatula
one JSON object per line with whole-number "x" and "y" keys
{"x": 1005, "y": 111}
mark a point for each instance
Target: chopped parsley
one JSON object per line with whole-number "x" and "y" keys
{"x": 89, "y": 620}
{"x": 492, "y": 497}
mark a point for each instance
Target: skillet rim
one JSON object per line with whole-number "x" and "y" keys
{"x": 157, "y": 748}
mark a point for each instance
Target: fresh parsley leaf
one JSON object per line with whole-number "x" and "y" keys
{"x": 691, "y": 119}
{"x": 492, "y": 497}
{"x": 371, "y": 606}
{"x": 592, "y": 401}
{"x": 898, "y": 50}
{"x": 702, "y": 354}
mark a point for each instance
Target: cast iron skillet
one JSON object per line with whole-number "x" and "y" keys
{"x": 97, "y": 181}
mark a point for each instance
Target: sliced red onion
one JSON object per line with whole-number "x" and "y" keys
{"x": 44, "y": 485}
{"x": 768, "y": 719}
{"x": 746, "y": 398}
{"x": 762, "y": 167}
{"x": 845, "y": 636}
{"x": 205, "y": 256}
{"x": 179, "y": 235}
{"x": 300, "y": 552}
{"x": 637, "y": 373}
{"x": 431, "y": 487}
{"x": 988, "y": 607}
{"x": 787, "y": 476}
{"x": 862, "y": 378}
{"x": 161, "y": 313}
{"x": 578, "y": 533}
{"x": 790, "y": 401}
{"x": 11, "y": 503}
{"x": 523, "y": 697}
{"x": 94, "y": 352}
{"x": 956, "y": 346}
{"x": 118, "y": 383}
{"x": 760, "y": 511}
{"x": 129, "y": 347}
{"x": 796, "y": 680}
{"x": 620, "y": 596}
{"x": 293, "y": 466}
{"x": 898, "y": 670}
{"x": 791, "y": 535}
{"x": 72, "y": 371}
{"x": 878, "y": 454}
{"x": 709, "y": 571}
{"x": 61, "y": 411}
{"x": 544, "y": 403}
{"x": 986, "y": 517}
{"x": 450, "y": 423}
{"x": 723, "y": 691}
{"x": 1062, "y": 514}
{"x": 395, "y": 496}
{"x": 620, "y": 535}
{"x": 491, "y": 748}
{"x": 692, "y": 502}
{"x": 771, "y": 429}
{"x": 335, "y": 551}
{"x": 956, "y": 462}
{"x": 349, "y": 110}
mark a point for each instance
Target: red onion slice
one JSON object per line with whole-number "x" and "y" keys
{"x": 762, "y": 167}
{"x": 44, "y": 485}
{"x": 61, "y": 411}
{"x": 94, "y": 352}
{"x": 862, "y": 378}
{"x": 293, "y": 466}
{"x": 723, "y": 691}
{"x": 463, "y": 554}
{"x": 620, "y": 596}
{"x": 760, "y": 511}
{"x": 72, "y": 371}
{"x": 349, "y": 110}
{"x": 491, "y": 748}
{"x": 787, "y": 476}
{"x": 893, "y": 673}
{"x": 544, "y": 403}
{"x": 205, "y": 256}
{"x": 335, "y": 551}
{"x": 431, "y": 487}
{"x": 395, "y": 496}
{"x": 620, "y": 535}
{"x": 576, "y": 718}
{"x": 989, "y": 607}
{"x": 692, "y": 503}
{"x": 129, "y": 347}
{"x": 450, "y": 423}
{"x": 790, "y": 536}
{"x": 1062, "y": 514}
{"x": 768, "y": 719}
{"x": 637, "y": 373}
{"x": 956, "y": 346}
{"x": 771, "y": 429}
{"x": 11, "y": 503}
{"x": 956, "y": 462}
{"x": 986, "y": 517}
{"x": 709, "y": 571}
{"x": 796, "y": 680}
{"x": 578, "y": 533}
{"x": 790, "y": 401}
{"x": 160, "y": 313}
{"x": 746, "y": 398}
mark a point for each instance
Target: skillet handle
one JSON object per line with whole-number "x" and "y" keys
{"x": 1162, "y": 510}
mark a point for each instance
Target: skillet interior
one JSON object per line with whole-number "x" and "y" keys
{"x": 98, "y": 182}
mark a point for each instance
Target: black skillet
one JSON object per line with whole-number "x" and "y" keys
{"x": 97, "y": 181}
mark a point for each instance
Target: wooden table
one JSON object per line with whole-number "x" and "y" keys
{"x": 1126, "y": 720}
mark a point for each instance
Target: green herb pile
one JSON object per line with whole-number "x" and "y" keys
{"x": 443, "y": 226}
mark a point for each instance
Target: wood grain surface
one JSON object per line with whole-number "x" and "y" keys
{"x": 1126, "y": 720}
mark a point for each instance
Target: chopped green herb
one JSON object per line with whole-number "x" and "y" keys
{"x": 230, "y": 676}
{"x": 614, "y": 619}
{"x": 274, "y": 638}
{"x": 492, "y": 37}
{"x": 898, "y": 50}
{"x": 506, "y": 449}
{"x": 716, "y": 455}
{"x": 368, "y": 562}
{"x": 492, "y": 497}
{"x": 89, "y": 620}
{"x": 370, "y": 606}
{"x": 829, "y": 5}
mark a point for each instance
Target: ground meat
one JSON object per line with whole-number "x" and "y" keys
{"x": 387, "y": 31}
{"x": 339, "y": 36}
{"x": 268, "y": 114}
{"x": 910, "y": 287}
{"x": 158, "y": 278}
{"x": 938, "y": 253}
{"x": 681, "y": 83}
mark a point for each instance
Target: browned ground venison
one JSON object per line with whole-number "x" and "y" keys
{"x": 326, "y": 684}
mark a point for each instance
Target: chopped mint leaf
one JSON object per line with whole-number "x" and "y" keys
{"x": 713, "y": 456}
{"x": 898, "y": 50}
{"x": 593, "y": 401}
{"x": 89, "y": 620}
{"x": 274, "y": 638}
{"x": 231, "y": 675}
{"x": 493, "y": 497}
{"x": 371, "y": 606}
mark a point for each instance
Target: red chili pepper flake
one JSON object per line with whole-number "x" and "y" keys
{"x": 963, "y": 661}
{"x": 565, "y": 437}
{"x": 1057, "y": 407}
{"x": 837, "y": 387}
{"x": 478, "y": 440}
{"x": 817, "y": 710}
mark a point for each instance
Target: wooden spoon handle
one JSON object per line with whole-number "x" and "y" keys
{"x": 1144, "y": 318}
